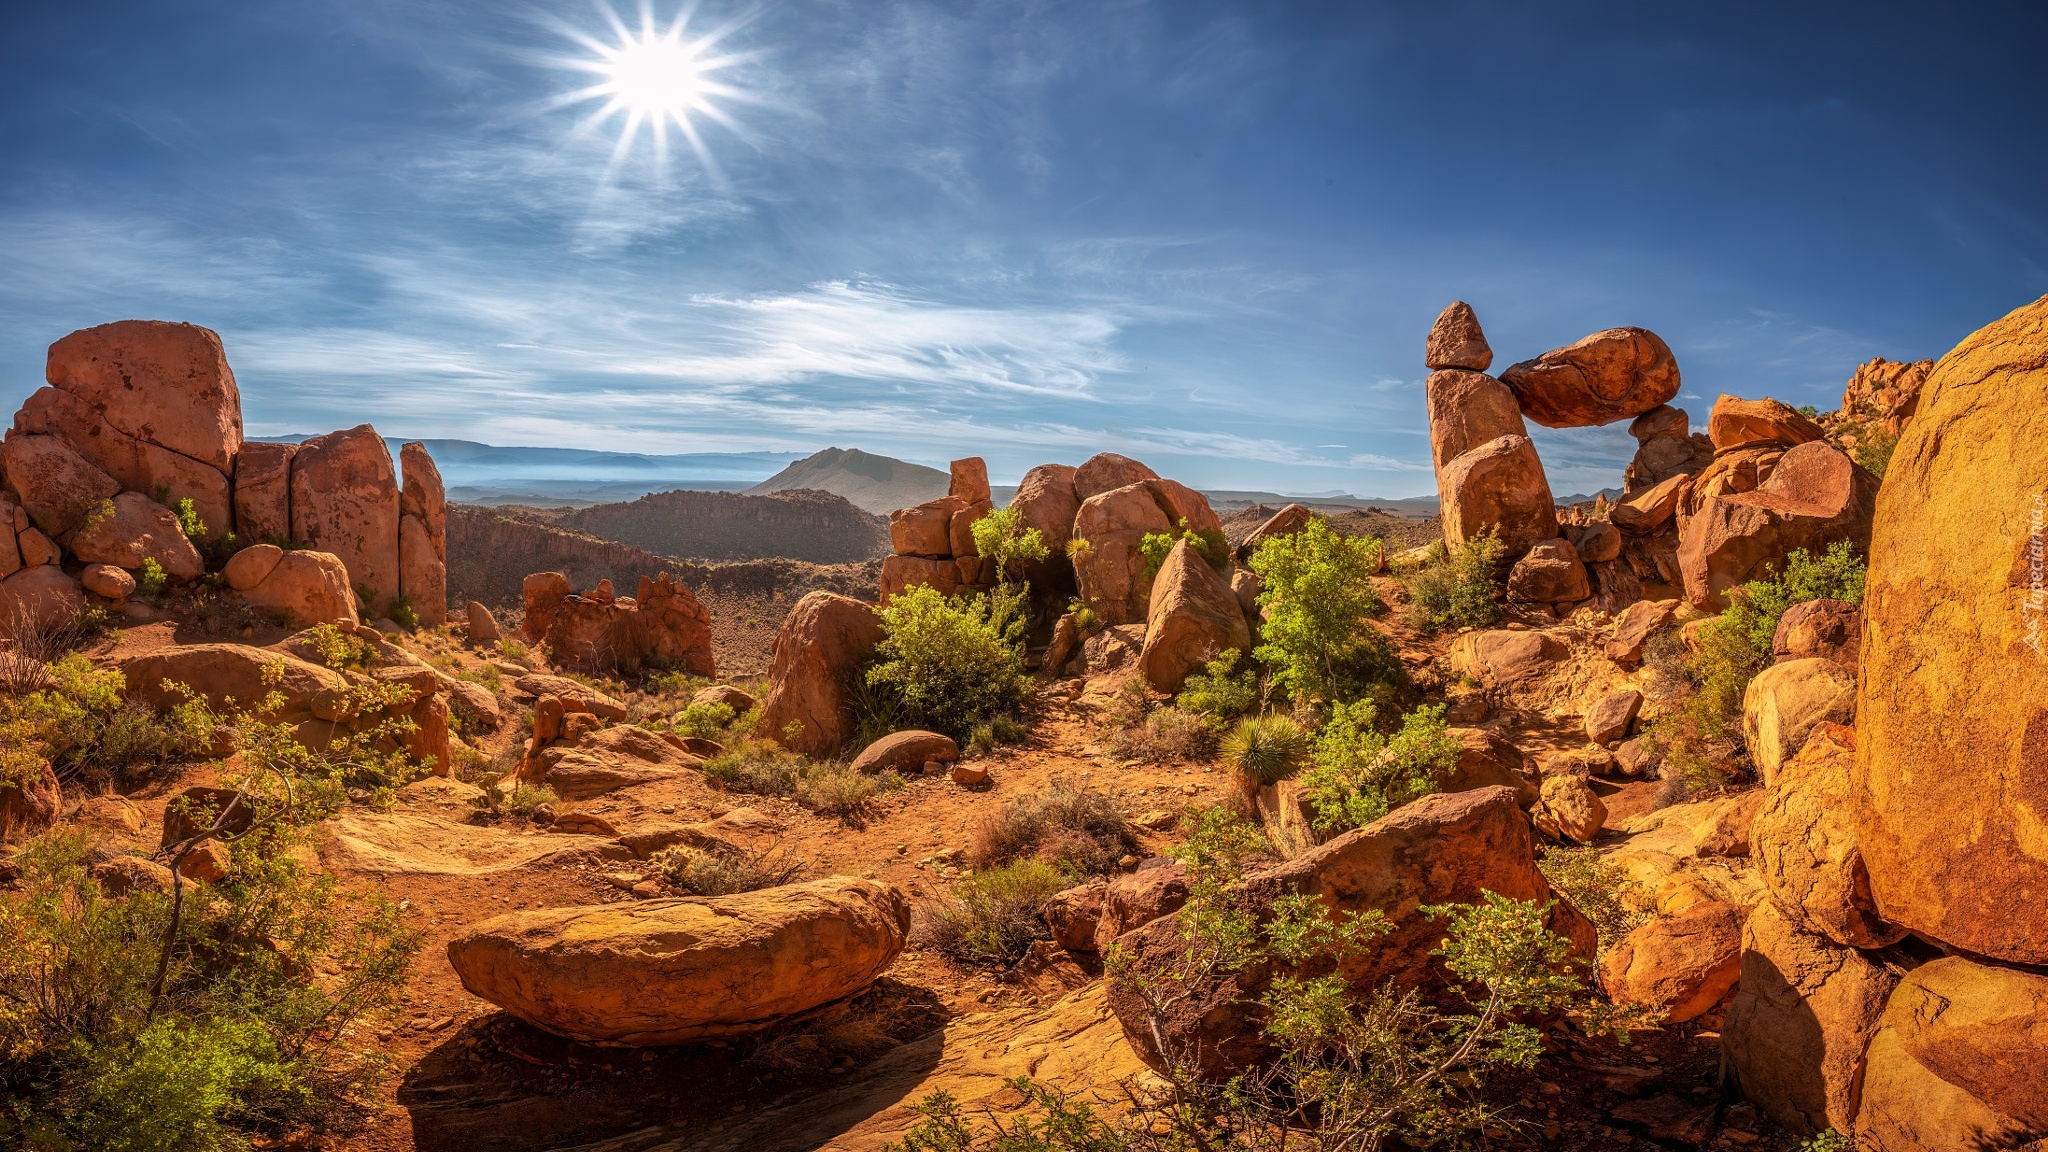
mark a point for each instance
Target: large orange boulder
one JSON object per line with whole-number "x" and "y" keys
{"x": 345, "y": 501}
{"x": 1441, "y": 849}
{"x": 1952, "y": 713}
{"x": 1737, "y": 423}
{"x": 135, "y": 464}
{"x": 1106, "y": 471}
{"x": 423, "y": 534}
{"x": 1504, "y": 657}
{"x": 1457, "y": 341}
{"x": 1960, "y": 1060}
{"x": 1193, "y": 617}
{"x": 1815, "y": 497}
{"x": 925, "y": 530}
{"x": 1785, "y": 703}
{"x": 1829, "y": 629}
{"x": 1681, "y": 964}
{"x": 826, "y": 640}
{"x": 58, "y": 488}
{"x": 237, "y": 672}
{"x": 1498, "y": 485}
{"x": 1612, "y": 375}
{"x": 1045, "y": 500}
{"x": 40, "y": 592}
{"x": 1467, "y": 409}
{"x": 303, "y": 587}
{"x": 1803, "y": 1015}
{"x": 1110, "y": 571}
{"x": 967, "y": 481}
{"x": 1550, "y": 574}
{"x": 665, "y": 972}
{"x": 135, "y": 529}
{"x": 1804, "y": 843}
{"x": 263, "y": 491}
{"x": 30, "y": 800}
{"x": 160, "y": 383}
{"x": 1286, "y": 522}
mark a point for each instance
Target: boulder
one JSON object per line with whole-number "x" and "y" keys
{"x": 475, "y": 705}
{"x": 925, "y": 530}
{"x": 108, "y": 581}
{"x": 1467, "y": 409}
{"x": 1736, "y": 423}
{"x": 1550, "y": 574}
{"x": 1648, "y": 513}
{"x": 1135, "y": 899}
{"x": 734, "y": 698}
{"x": 542, "y": 594}
{"x": 223, "y": 672}
{"x": 594, "y": 761}
{"x": 1666, "y": 458}
{"x": 422, "y": 495}
{"x": 968, "y": 482}
{"x": 1487, "y": 760}
{"x": 1045, "y": 500}
{"x": 1569, "y": 809}
{"x": 906, "y": 751}
{"x": 1803, "y": 1014}
{"x": 1499, "y": 485}
{"x": 670, "y": 627}
{"x": 30, "y": 800}
{"x": 1829, "y": 629}
{"x": 345, "y": 501}
{"x": 1187, "y": 509}
{"x": 306, "y": 588}
{"x": 125, "y": 875}
{"x": 1660, "y": 423}
{"x": 1730, "y": 473}
{"x": 247, "y": 568}
{"x": 59, "y": 488}
{"x": 1691, "y": 854}
{"x": 113, "y": 813}
{"x": 422, "y": 574}
{"x": 1612, "y": 375}
{"x": 36, "y": 548}
{"x": 960, "y": 532}
{"x": 1072, "y": 916}
{"x": 902, "y": 573}
{"x": 1680, "y": 965}
{"x": 42, "y": 593}
{"x": 1285, "y": 522}
{"x": 1596, "y": 543}
{"x": 663, "y": 625}
{"x": 483, "y": 627}
{"x": 1440, "y": 849}
{"x": 136, "y": 465}
{"x": 662, "y": 972}
{"x": 161, "y": 383}
{"x": 1107, "y": 471}
{"x": 263, "y": 491}
{"x": 1960, "y": 1057}
{"x": 137, "y": 529}
{"x": 825, "y": 638}
{"x": 1637, "y": 624}
{"x": 1503, "y": 657}
{"x": 1611, "y": 716}
{"x": 1110, "y": 571}
{"x": 1193, "y": 617}
{"x": 1806, "y": 851}
{"x": 1456, "y": 340}
{"x": 1246, "y": 586}
{"x": 193, "y": 810}
{"x": 1814, "y": 497}
{"x": 1785, "y": 702}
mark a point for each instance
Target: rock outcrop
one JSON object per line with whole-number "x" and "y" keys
{"x": 345, "y": 500}
{"x": 1814, "y": 497}
{"x": 1960, "y": 1060}
{"x": 1193, "y": 618}
{"x": 1805, "y": 839}
{"x": 1456, "y": 340}
{"x": 422, "y": 535}
{"x": 663, "y": 625}
{"x": 824, "y": 642}
{"x": 1785, "y": 703}
{"x": 673, "y": 971}
{"x": 1497, "y": 486}
{"x": 1680, "y": 965}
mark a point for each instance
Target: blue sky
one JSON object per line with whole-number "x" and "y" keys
{"x": 1208, "y": 235}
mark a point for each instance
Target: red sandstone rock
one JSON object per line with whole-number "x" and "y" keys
{"x": 345, "y": 500}
{"x": 1608, "y": 376}
{"x": 1814, "y": 497}
{"x": 1456, "y": 341}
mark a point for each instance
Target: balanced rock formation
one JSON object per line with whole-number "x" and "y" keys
{"x": 1193, "y": 617}
{"x": 1046, "y": 500}
{"x": 933, "y": 543}
{"x": 1952, "y": 711}
{"x": 663, "y": 625}
{"x": 673, "y": 971}
{"x": 824, "y": 641}
{"x": 1456, "y": 340}
{"x": 1498, "y": 486}
{"x": 1736, "y": 423}
{"x": 1612, "y": 375}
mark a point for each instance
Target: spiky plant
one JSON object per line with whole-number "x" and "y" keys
{"x": 1265, "y": 749}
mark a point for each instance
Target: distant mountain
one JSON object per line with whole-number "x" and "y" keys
{"x": 1612, "y": 494}
{"x": 800, "y": 524}
{"x": 878, "y": 484}
{"x": 554, "y": 477}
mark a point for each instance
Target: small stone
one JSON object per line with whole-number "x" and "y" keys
{"x": 969, "y": 774}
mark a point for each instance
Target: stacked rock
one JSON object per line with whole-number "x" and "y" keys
{"x": 663, "y": 626}
{"x": 143, "y": 417}
{"x": 933, "y": 543}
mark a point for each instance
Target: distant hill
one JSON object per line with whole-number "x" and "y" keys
{"x": 800, "y": 524}
{"x": 498, "y": 474}
{"x": 878, "y": 484}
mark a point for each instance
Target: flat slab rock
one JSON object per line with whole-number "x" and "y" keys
{"x": 403, "y": 843}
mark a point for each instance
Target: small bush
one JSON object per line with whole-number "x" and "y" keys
{"x": 1208, "y": 543}
{"x": 1457, "y": 591}
{"x": 1002, "y": 536}
{"x": 1219, "y": 692}
{"x": 1166, "y": 736}
{"x": 520, "y": 802}
{"x": 512, "y": 650}
{"x": 756, "y": 767}
{"x": 152, "y": 579}
{"x": 404, "y": 614}
{"x": 989, "y": 736}
{"x": 951, "y": 664}
{"x": 1076, "y": 830}
{"x": 79, "y": 721}
{"x": 701, "y": 872}
{"x": 837, "y": 790}
{"x": 340, "y": 650}
{"x": 707, "y": 720}
{"x": 992, "y": 917}
{"x": 1265, "y": 749}
{"x": 1601, "y": 890}
{"x": 1359, "y": 775}
{"x": 1318, "y": 597}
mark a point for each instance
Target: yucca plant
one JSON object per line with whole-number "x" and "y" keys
{"x": 1265, "y": 749}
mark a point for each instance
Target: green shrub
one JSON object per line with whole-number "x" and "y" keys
{"x": 991, "y": 917}
{"x": 404, "y": 614}
{"x": 1265, "y": 749}
{"x": 1358, "y": 775}
{"x": 150, "y": 582}
{"x": 81, "y": 723}
{"x": 1826, "y": 1141}
{"x": 1163, "y": 736}
{"x": 1318, "y": 597}
{"x": 1220, "y": 692}
{"x": 950, "y": 664}
{"x": 520, "y": 801}
{"x": 1002, "y": 536}
{"x": 1457, "y": 590}
{"x": 714, "y": 872}
{"x": 707, "y": 720}
{"x": 1874, "y": 448}
{"x": 993, "y": 734}
{"x": 1076, "y": 830}
{"x": 755, "y": 766}
{"x": 1208, "y": 543}
{"x": 837, "y": 790}
{"x": 1600, "y": 890}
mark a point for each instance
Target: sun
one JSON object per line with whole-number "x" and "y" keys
{"x": 654, "y": 76}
